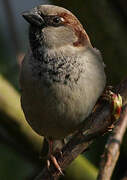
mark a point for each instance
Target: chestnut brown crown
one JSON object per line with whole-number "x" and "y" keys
{"x": 57, "y": 26}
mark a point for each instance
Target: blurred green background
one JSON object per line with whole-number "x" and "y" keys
{"x": 106, "y": 24}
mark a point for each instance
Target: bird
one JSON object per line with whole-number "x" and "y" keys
{"x": 62, "y": 75}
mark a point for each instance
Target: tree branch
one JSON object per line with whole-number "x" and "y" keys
{"x": 97, "y": 124}
{"x": 112, "y": 148}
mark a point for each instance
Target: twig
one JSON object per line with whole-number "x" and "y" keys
{"x": 112, "y": 148}
{"x": 97, "y": 124}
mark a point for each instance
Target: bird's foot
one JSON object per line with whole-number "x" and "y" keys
{"x": 59, "y": 152}
{"x": 104, "y": 96}
{"x": 54, "y": 161}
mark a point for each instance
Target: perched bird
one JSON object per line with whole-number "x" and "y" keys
{"x": 62, "y": 75}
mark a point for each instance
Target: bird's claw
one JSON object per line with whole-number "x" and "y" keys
{"x": 54, "y": 161}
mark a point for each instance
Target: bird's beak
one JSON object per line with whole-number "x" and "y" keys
{"x": 33, "y": 18}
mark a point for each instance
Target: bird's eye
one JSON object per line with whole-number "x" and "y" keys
{"x": 56, "y": 20}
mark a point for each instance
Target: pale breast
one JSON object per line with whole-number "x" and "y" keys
{"x": 57, "y": 97}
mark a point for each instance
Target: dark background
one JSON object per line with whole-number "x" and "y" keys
{"x": 106, "y": 24}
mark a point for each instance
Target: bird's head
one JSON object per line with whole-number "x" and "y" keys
{"x": 54, "y": 27}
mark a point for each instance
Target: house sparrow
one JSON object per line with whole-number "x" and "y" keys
{"x": 62, "y": 75}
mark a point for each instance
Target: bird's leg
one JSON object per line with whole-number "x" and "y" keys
{"x": 104, "y": 96}
{"x": 52, "y": 157}
{"x": 58, "y": 145}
